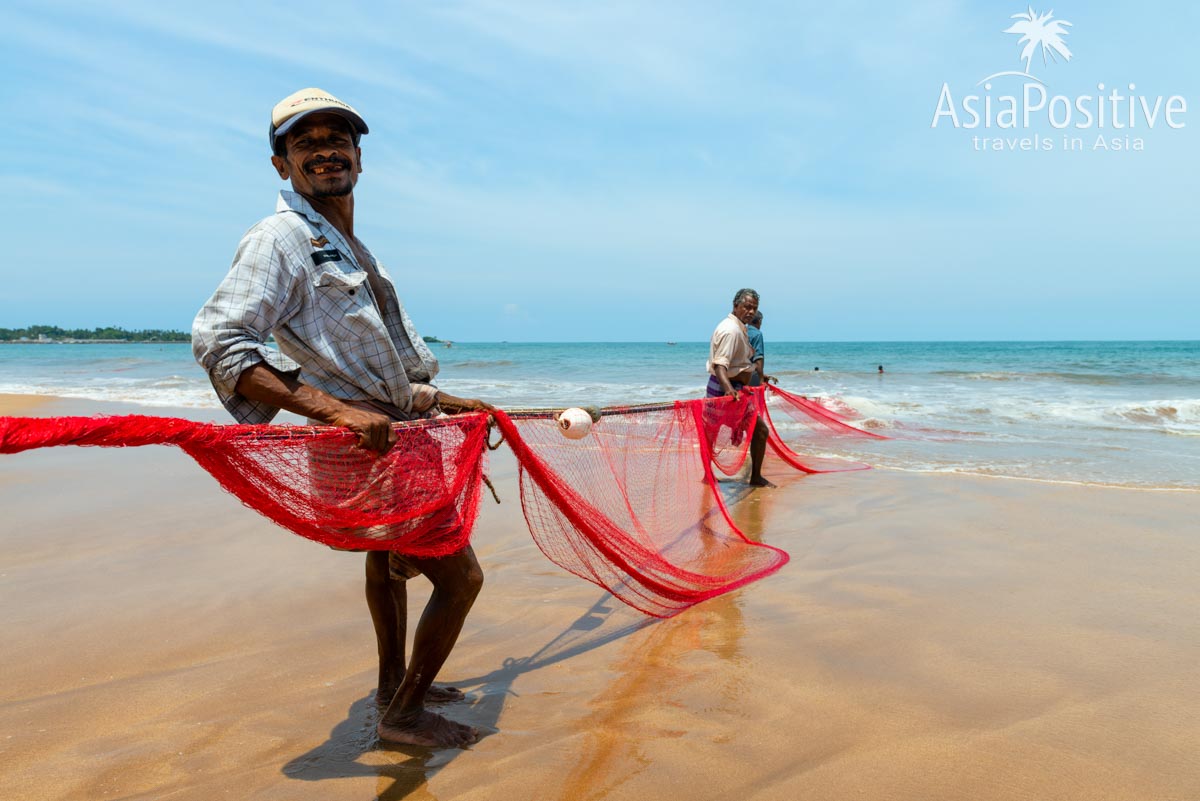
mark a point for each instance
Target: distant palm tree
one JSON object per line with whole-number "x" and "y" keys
{"x": 1040, "y": 31}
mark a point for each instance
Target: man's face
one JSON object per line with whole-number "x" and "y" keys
{"x": 321, "y": 160}
{"x": 745, "y": 309}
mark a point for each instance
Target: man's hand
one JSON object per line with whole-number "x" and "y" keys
{"x": 374, "y": 430}
{"x": 770, "y": 379}
{"x": 263, "y": 383}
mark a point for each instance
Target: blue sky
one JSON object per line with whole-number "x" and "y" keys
{"x": 562, "y": 171}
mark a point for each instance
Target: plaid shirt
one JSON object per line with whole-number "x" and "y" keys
{"x": 295, "y": 276}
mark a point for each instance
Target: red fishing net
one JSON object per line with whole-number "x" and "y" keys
{"x": 809, "y": 426}
{"x": 634, "y": 507}
{"x": 420, "y": 498}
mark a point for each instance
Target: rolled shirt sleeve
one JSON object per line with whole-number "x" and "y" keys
{"x": 424, "y": 396}
{"x": 230, "y": 332}
{"x": 724, "y": 344}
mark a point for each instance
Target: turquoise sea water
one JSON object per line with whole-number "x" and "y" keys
{"x": 1116, "y": 413}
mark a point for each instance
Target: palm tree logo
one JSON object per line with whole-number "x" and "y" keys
{"x": 1037, "y": 31}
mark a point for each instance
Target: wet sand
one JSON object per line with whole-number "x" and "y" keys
{"x": 933, "y": 637}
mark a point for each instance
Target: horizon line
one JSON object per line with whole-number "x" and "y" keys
{"x": 443, "y": 340}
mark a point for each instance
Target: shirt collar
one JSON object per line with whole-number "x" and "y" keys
{"x": 734, "y": 317}
{"x": 293, "y": 201}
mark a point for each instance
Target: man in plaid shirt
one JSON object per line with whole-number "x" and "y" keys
{"x": 348, "y": 356}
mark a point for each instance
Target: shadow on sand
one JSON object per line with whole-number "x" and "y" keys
{"x": 339, "y": 757}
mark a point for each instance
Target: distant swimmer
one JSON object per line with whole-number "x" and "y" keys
{"x": 881, "y": 368}
{"x": 816, "y": 369}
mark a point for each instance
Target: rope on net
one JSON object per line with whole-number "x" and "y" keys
{"x": 634, "y": 507}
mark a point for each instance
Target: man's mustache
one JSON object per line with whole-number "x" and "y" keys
{"x": 313, "y": 163}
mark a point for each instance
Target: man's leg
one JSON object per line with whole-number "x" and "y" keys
{"x": 387, "y": 599}
{"x": 758, "y": 451}
{"x": 456, "y": 581}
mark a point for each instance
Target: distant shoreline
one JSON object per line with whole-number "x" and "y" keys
{"x": 812, "y": 343}
{"x": 94, "y": 341}
{"x": 109, "y": 334}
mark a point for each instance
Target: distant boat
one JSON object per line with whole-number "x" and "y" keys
{"x": 671, "y": 343}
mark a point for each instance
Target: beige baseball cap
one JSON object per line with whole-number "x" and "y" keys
{"x": 298, "y": 105}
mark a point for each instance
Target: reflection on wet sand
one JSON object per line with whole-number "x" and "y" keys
{"x": 621, "y": 723}
{"x": 660, "y": 668}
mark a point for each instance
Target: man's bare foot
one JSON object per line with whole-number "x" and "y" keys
{"x": 441, "y": 694}
{"x": 759, "y": 482}
{"x": 430, "y": 730}
{"x": 436, "y": 694}
{"x": 384, "y": 696}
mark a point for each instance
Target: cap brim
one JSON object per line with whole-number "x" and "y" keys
{"x": 357, "y": 122}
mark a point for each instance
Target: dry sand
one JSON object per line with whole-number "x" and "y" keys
{"x": 934, "y": 637}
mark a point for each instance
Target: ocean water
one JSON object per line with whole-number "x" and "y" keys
{"x": 1110, "y": 413}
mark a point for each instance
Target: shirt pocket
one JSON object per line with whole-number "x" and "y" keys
{"x": 344, "y": 303}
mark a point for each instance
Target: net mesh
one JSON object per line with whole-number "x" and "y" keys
{"x": 635, "y": 507}
{"x": 813, "y": 425}
{"x": 420, "y": 498}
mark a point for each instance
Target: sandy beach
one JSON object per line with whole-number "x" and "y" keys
{"x": 933, "y": 637}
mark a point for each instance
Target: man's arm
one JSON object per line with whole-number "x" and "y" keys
{"x": 231, "y": 329}
{"x": 452, "y": 404}
{"x": 260, "y": 382}
{"x": 719, "y": 351}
